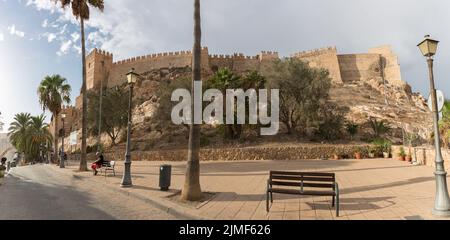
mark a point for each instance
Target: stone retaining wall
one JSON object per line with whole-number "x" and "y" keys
{"x": 247, "y": 153}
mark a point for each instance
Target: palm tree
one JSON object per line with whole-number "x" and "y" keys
{"x": 37, "y": 135}
{"x": 53, "y": 93}
{"x": 192, "y": 190}
{"x": 80, "y": 9}
{"x": 17, "y": 131}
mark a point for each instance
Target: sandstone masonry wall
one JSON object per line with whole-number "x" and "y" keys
{"x": 323, "y": 58}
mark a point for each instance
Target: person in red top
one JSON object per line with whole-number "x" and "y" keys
{"x": 98, "y": 163}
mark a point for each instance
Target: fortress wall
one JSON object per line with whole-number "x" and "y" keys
{"x": 323, "y": 58}
{"x": 359, "y": 67}
{"x": 244, "y": 64}
{"x": 147, "y": 63}
{"x": 221, "y": 61}
{"x": 267, "y": 59}
{"x": 392, "y": 71}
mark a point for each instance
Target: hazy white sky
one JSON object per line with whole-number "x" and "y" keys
{"x": 37, "y": 38}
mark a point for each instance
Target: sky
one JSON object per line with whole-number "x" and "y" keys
{"x": 38, "y": 38}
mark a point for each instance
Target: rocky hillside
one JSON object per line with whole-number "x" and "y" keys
{"x": 403, "y": 110}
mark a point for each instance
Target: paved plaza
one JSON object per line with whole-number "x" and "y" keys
{"x": 371, "y": 189}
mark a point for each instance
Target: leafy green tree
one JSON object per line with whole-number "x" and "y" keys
{"x": 114, "y": 112}
{"x": 303, "y": 92}
{"x": 53, "y": 92}
{"x": 162, "y": 116}
{"x": 331, "y": 121}
{"x": 81, "y": 11}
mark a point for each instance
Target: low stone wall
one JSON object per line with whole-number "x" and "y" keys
{"x": 247, "y": 153}
{"x": 424, "y": 155}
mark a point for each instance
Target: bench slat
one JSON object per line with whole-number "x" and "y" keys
{"x": 297, "y": 192}
{"x": 300, "y": 178}
{"x": 305, "y": 184}
{"x": 302, "y": 173}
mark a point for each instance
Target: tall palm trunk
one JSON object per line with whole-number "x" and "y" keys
{"x": 83, "y": 162}
{"x": 192, "y": 190}
{"x": 55, "y": 155}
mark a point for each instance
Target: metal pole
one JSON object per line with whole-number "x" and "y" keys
{"x": 61, "y": 157}
{"x": 126, "y": 180}
{"x": 442, "y": 201}
{"x": 100, "y": 111}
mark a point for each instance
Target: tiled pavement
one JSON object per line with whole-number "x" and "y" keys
{"x": 384, "y": 189}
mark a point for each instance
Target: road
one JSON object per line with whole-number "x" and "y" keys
{"x": 37, "y": 193}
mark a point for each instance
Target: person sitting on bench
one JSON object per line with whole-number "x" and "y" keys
{"x": 99, "y": 163}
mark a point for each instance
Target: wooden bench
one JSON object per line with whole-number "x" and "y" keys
{"x": 108, "y": 166}
{"x": 303, "y": 183}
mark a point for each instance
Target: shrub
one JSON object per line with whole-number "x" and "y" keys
{"x": 383, "y": 144}
{"x": 402, "y": 152}
{"x": 204, "y": 141}
{"x": 352, "y": 129}
{"x": 379, "y": 127}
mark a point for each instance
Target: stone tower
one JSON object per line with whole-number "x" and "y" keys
{"x": 98, "y": 66}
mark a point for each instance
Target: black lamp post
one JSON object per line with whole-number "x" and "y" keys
{"x": 428, "y": 48}
{"x": 132, "y": 78}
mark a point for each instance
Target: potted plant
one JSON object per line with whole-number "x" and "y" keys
{"x": 386, "y": 147}
{"x": 402, "y": 154}
{"x": 411, "y": 137}
{"x": 371, "y": 151}
{"x": 358, "y": 153}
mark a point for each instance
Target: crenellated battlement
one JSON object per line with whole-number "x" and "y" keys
{"x": 315, "y": 52}
{"x": 101, "y": 52}
{"x": 154, "y": 56}
{"x": 240, "y": 56}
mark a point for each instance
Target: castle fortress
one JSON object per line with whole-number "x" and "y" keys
{"x": 378, "y": 63}
{"x": 343, "y": 68}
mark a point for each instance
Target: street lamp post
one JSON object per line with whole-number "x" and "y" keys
{"x": 61, "y": 156}
{"x": 126, "y": 180}
{"x": 428, "y": 48}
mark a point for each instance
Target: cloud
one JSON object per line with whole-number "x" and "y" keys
{"x": 45, "y": 23}
{"x": 137, "y": 27}
{"x": 65, "y": 47}
{"x": 51, "y": 37}
{"x": 2, "y": 37}
{"x": 13, "y": 31}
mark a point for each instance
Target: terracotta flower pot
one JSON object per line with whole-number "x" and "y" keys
{"x": 401, "y": 158}
{"x": 409, "y": 158}
{"x": 358, "y": 155}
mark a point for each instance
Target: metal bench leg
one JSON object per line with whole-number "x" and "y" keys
{"x": 267, "y": 201}
{"x": 271, "y": 197}
{"x": 332, "y": 202}
{"x": 337, "y": 200}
